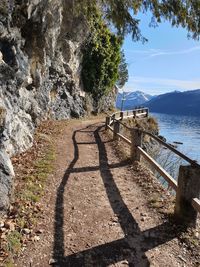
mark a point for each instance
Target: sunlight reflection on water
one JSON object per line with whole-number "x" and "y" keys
{"x": 185, "y": 129}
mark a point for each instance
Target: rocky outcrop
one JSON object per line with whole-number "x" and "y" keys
{"x": 40, "y": 66}
{"x": 6, "y": 180}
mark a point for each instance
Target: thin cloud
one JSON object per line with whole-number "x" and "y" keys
{"x": 143, "y": 52}
{"x": 153, "y": 83}
{"x": 180, "y": 52}
{"x": 150, "y": 53}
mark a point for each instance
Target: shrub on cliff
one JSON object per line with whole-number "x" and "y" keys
{"x": 101, "y": 59}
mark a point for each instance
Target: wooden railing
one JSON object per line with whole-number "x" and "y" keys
{"x": 136, "y": 113}
{"x": 188, "y": 186}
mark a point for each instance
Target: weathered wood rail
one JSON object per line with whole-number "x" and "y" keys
{"x": 187, "y": 187}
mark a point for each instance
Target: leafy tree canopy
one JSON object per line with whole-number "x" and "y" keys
{"x": 122, "y": 14}
{"x": 101, "y": 58}
{"x": 101, "y": 62}
{"x": 122, "y": 71}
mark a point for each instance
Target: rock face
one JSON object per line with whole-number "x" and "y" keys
{"x": 6, "y": 180}
{"x": 40, "y": 66}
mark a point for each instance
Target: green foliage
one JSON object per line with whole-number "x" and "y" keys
{"x": 122, "y": 71}
{"x": 14, "y": 244}
{"x": 101, "y": 59}
{"x": 9, "y": 264}
{"x": 123, "y": 14}
{"x": 4, "y": 7}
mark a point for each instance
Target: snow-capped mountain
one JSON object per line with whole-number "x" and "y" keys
{"x": 132, "y": 99}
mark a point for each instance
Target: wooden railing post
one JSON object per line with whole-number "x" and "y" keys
{"x": 136, "y": 140}
{"x": 116, "y": 130}
{"x": 188, "y": 188}
{"x": 122, "y": 115}
{"x": 147, "y": 111}
{"x": 107, "y": 122}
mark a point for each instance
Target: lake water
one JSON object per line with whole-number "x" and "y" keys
{"x": 185, "y": 129}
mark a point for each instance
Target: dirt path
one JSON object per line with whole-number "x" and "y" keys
{"x": 94, "y": 212}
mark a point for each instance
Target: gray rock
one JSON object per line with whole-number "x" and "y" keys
{"x": 6, "y": 181}
{"x": 40, "y": 67}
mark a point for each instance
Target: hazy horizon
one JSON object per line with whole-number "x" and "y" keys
{"x": 138, "y": 90}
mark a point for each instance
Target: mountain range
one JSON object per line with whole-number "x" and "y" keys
{"x": 132, "y": 99}
{"x": 176, "y": 102}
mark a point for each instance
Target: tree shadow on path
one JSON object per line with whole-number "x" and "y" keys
{"x": 135, "y": 243}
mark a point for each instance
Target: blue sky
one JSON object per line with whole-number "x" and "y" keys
{"x": 168, "y": 61}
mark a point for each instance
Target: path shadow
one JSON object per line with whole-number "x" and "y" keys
{"x": 135, "y": 243}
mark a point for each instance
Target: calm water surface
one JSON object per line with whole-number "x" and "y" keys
{"x": 185, "y": 129}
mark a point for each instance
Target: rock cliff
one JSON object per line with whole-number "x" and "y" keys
{"x": 40, "y": 66}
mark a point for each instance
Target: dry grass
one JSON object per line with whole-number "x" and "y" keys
{"x": 32, "y": 170}
{"x": 159, "y": 198}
